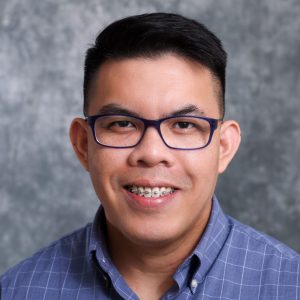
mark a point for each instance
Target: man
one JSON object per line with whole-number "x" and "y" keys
{"x": 154, "y": 141}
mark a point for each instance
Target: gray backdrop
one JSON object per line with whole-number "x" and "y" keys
{"x": 44, "y": 192}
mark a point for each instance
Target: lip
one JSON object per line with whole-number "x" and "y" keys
{"x": 149, "y": 204}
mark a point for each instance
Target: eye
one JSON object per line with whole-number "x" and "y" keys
{"x": 184, "y": 125}
{"x": 122, "y": 124}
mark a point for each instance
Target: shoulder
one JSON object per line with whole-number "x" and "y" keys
{"x": 261, "y": 240}
{"x": 56, "y": 257}
{"x": 261, "y": 251}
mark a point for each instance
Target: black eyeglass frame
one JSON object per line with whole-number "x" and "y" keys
{"x": 91, "y": 120}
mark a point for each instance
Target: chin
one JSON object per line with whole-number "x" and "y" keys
{"x": 157, "y": 235}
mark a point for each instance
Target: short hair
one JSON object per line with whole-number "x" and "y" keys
{"x": 152, "y": 35}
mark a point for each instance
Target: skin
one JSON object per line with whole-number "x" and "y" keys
{"x": 148, "y": 244}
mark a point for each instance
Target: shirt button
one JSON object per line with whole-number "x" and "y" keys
{"x": 106, "y": 282}
{"x": 194, "y": 283}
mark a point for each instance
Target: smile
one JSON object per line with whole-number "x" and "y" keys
{"x": 150, "y": 192}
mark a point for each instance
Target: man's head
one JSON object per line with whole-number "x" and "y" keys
{"x": 152, "y": 35}
{"x": 155, "y": 85}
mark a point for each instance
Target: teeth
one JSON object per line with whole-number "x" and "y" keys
{"x": 134, "y": 189}
{"x": 140, "y": 191}
{"x": 155, "y": 192}
{"x": 149, "y": 192}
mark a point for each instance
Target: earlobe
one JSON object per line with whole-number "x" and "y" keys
{"x": 230, "y": 138}
{"x": 79, "y": 140}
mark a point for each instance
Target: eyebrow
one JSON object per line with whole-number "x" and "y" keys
{"x": 116, "y": 109}
{"x": 113, "y": 108}
{"x": 187, "y": 110}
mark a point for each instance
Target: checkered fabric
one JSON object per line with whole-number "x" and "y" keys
{"x": 232, "y": 261}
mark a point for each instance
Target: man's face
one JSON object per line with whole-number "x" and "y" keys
{"x": 153, "y": 88}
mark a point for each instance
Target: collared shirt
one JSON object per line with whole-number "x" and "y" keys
{"x": 231, "y": 261}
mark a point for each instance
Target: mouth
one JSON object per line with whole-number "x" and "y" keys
{"x": 150, "y": 192}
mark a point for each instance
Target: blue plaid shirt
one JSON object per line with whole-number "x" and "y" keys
{"x": 232, "y": 261}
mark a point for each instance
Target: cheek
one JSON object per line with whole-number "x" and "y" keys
{"x": 104, "y": 166}
{"x": 202, "y": 168}
{"x": 203, "y": 161}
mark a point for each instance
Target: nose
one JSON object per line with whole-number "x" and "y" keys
{"x": 151, "y": 151}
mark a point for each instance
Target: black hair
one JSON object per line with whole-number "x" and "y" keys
{"x": 151, "y": 35}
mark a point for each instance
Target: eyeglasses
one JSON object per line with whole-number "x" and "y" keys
{"x": 177, "y": 132}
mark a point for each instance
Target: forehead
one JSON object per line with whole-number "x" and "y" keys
{"x": 154, "y": 86}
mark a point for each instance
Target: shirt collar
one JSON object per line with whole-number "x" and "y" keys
{"x": 194, "y": 269}
{"x": 212, "y": 240}
{"x": 97, "y": 243}
{"x": 98, "y": 253}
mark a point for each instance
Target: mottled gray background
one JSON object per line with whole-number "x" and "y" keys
{"x": 44, "y": 193}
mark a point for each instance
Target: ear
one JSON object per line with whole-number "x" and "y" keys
{"x": 230, "y": 138}
{"x": 78, "y": 136}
